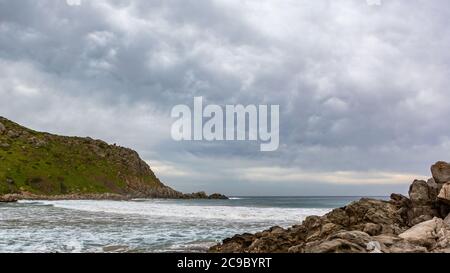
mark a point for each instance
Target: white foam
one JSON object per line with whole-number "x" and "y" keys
{"x": 159, "y": 208}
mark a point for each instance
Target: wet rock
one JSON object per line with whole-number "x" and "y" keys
{"x": 441, "y": 172}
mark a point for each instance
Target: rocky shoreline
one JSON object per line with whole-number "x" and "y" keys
{"x": 419, "y": 223}
{"x": 12, "y": 198}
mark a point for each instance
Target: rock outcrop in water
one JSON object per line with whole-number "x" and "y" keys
{"x": 36, "y": 165}
{"x": 420, "y": 223}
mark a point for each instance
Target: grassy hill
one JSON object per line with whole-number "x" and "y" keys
{"x": 46, "y": 164}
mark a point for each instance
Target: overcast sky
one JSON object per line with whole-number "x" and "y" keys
{"x": 363, "y": 89}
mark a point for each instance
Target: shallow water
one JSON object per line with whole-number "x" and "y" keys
{"x": 147, "y": 225}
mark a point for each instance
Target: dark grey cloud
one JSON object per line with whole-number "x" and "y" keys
{"x": 362, "y": 89}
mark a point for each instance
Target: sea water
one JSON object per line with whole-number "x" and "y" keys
{"x": 148, "y": 225}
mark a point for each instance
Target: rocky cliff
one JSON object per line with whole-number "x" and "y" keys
{"x": 36, "y": 165}
{"x": 420, "y": 223}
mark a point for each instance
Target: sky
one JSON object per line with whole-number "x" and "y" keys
{"x": 363, "y": 86}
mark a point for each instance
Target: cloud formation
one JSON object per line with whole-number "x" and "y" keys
{"x": 363, "y": 89}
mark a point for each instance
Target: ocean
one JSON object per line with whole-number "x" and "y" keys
{"x": 148, "y": 225}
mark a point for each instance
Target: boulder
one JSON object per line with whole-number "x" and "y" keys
{"x": 444, "y": 194}
{"x": 342, "y": 242}
{"x": 422, "y": 206}
{"x": 372, "y": 211}
{"x": 2, "y": 128}
{"x": 425, "y": 234}
{"x": 447, "y": 220}
{"x": 419, "y": 214}
{"x": 441, "y": 172}
{"x": 433, "y": 188}
{"x": 372, "y": 229}
{"x": 13, "y": 134}
{"x": 419, "y": 193}
{"x": 358, "y": 237}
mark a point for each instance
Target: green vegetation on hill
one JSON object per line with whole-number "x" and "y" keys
{"x": 46, "y": 164}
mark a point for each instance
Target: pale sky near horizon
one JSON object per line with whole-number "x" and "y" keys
{"x": 363, "y": 89}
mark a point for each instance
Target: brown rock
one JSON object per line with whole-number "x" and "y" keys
{"x": 421, "y": 214}
{"x": 297, "y": 249}
{"x": 441, "y": 172}
{"x": 358, "y": 237}
{"x": 419, "y": 193}
{"x": 447, "y": 220}
{"x": 343, "y": 242}
{"x": 433, "y": 188}
{"x": 444, "y": 194}
{"x": 339, "y": 217}
{"x": 372, "y": 229}
{"x": 424, "y": 234}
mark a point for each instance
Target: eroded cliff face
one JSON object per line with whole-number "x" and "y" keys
{"x": 420, "y": 223}
{"x": 36, "y": 165}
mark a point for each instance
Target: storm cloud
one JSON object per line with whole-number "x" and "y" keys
{"x": 363, "y": 89}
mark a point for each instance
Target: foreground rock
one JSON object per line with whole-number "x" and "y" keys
{"x": 400, "y": 225}
{"x": 444, "y": 193}
{"x": 441, "y": 172}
